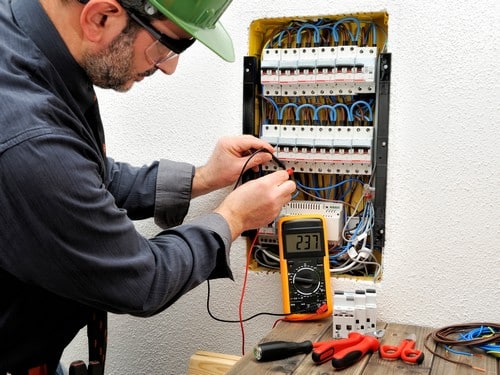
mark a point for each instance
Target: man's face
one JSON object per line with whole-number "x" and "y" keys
{"x": 111, "y": 68}
{"x": 124, "y": 62}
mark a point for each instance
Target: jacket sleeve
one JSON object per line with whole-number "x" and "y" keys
{"x": 76, "y": 242}
{"x": 161, "y": 189}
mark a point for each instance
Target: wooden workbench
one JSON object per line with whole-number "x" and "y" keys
{"x": 369, "y": 365}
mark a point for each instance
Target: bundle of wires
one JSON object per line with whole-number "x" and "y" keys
{"x": 330, "y": 32}
{"x": 483, "y": 336}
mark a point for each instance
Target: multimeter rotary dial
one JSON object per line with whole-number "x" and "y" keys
{"x": 306, "y": 280}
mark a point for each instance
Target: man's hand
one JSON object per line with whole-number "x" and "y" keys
{"x": 227, "y": 160}
{"x": 257, "y": 202}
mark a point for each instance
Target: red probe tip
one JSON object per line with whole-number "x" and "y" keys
{"x": 289, "y": 171}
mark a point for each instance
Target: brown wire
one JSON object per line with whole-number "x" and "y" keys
{"x": 443, "y": 336}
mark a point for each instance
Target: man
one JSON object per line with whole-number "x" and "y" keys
{"x": 68, "y": 247}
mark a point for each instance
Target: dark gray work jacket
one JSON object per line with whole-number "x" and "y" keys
{"x": 67, "y": 242}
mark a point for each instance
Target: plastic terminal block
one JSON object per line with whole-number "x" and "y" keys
{"x": 272, "y": 90}
{"x": 322, "y": 160}
{"x": 271, "y": 58}
{"x": 371, "y": 310}
{"x": 365, "y": 62}
{"x": 354, "y": 312}
{"x": 322, "y": 70}
{"x": 332, "y": 212}
{"x": 268, "y": 235}
{"x": 326, "y": 57}
{"x": 269, "y": 66}
{"x": 316, "y": 136}
{"x": 343, "y": 314}
{"x": 270, "y": 77}
{"x": 289, "y": 58}
{"x": 308, "y": 58}
{"x": 346, "y": 60}
{"x": 271, "y": 133}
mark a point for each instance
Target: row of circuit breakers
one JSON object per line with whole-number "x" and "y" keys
{"x": 317, "y": 89}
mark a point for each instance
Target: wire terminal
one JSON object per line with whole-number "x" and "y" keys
{"x": 368, "y": 192}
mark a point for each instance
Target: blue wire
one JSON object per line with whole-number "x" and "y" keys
{"x": 342, "y": 197}
{"x": 342, "y": 20}
{"x": 347, "y": 111}
{"x": 276, "y": 108}
{"x": 479, "y": 332}
{"x": 374, "y": 34}
{"x": 350, "y": 180}
{"x": 280, "y": 37}
{"x": 316, "y": 182}
{"x": 300, "y": 107}
{"x": 332, "y": 114}
{"x": 331, "y": 183}
{"x": 370, "y": 112}
{"x": 457, "y": 351}
{"x": 280, "y": 113}
{"x": 307, "y": 26}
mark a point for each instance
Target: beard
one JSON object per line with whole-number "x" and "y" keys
{"x": 112, "y": 68}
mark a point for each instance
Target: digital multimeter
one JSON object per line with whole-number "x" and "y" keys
{"x": 304, "y": 266}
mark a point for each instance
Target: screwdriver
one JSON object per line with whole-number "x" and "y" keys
{"x": 274, "y": 350}
{"x": 353, "y": 354}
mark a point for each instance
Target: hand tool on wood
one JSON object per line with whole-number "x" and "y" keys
{"x": 352, "y": 354}
{"x": 274, "y": 350}
{"x": 324, "y": 350}
{"x": 406, "y": 351}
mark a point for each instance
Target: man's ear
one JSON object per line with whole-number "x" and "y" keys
{"x": 102, "y": 20}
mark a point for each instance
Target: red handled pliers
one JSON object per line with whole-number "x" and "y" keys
{"x": 324, "y": 350}
{"x": 344, "y": 352}
{"x": 406, "y": 351}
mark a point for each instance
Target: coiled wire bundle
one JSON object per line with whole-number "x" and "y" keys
{"x": 484, "y": 336}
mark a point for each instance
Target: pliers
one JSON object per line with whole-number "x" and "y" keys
{"x": 344, "y": 352}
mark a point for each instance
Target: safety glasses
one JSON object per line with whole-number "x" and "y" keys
{"x": 164, "y": 48}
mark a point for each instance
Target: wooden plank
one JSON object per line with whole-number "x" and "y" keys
{"x": 483, "y": 361}
{"x": 284, "y": 331}
{"x": 370, "y": 364}
{"x": 210, "y": 363}
{"x": 394, "y": 333}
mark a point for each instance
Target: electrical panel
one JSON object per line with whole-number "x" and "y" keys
{"x": 317, "y": 89}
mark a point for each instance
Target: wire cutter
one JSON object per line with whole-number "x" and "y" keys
{"x": 344, "y": 352}
{"x": 406, "y": 351}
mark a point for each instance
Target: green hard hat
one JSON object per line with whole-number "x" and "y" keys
{"x": 200, "y": 18}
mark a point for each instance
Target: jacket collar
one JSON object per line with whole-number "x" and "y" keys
{"x": 31, "y": 18}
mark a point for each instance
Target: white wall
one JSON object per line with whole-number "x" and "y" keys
{"x": 441, "y": 261}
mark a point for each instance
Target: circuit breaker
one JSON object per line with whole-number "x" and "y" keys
{"x": 317, "y": 89}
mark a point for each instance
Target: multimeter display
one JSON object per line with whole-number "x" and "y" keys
{"x": 303, "y": 242}
{"x": 304, "y": 265}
